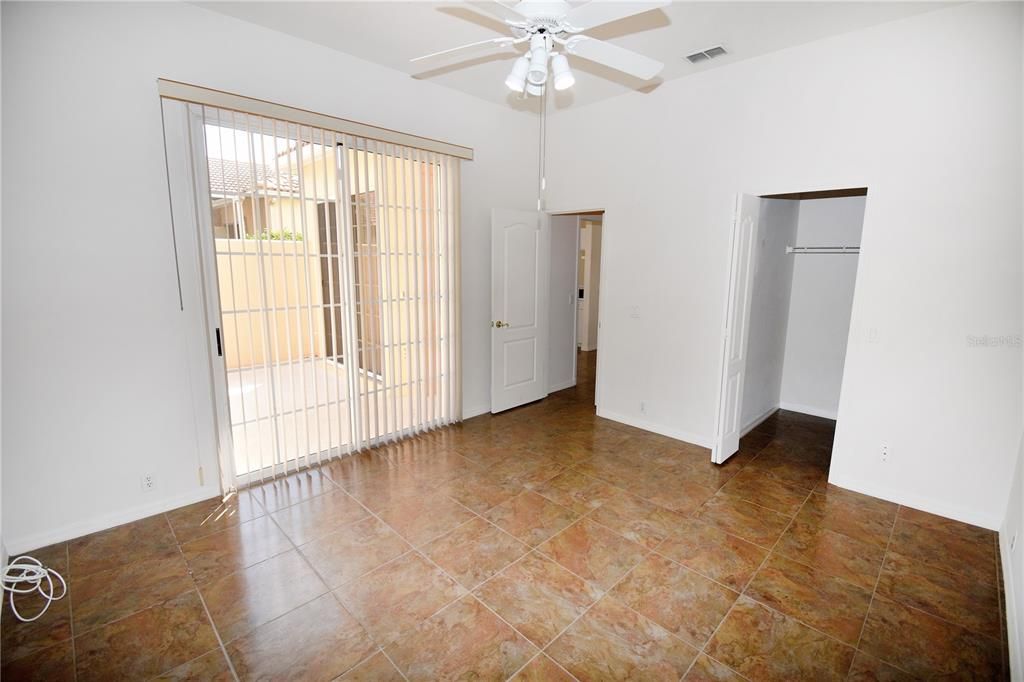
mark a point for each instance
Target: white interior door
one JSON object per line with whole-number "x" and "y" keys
{"x": 737, "y": 318}
{"x": 562, "y": 296}
{"x": 520, "y": 269}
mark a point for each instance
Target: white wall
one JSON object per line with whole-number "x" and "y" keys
{"x": 820, "y": 306}
{"x": 94, "y": 371}
{"x": 769, "y": 309}
{"x": 562, "y": 307}
{"x": 926, "y": 113}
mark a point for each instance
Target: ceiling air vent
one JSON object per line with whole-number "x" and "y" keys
{"x": 709, "y": 53}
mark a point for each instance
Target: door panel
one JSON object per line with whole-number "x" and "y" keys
{"x": 562, "y": 302}
{"x": 520, "y": 261}
{"x": 520, "y": 362}
{"x": 330, "y": 280}
{"x": 366, "y": 273}
{"x": 734, "y": 351}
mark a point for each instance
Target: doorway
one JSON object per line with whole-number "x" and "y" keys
{"x": 575, "y": 283}
{"x": 326, "y": 280}
{"x": 544, "y": 300}
{"x": 575, "y": 294}
{"x": 791, "y": 288}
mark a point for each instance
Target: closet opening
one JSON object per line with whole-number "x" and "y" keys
{"x": 792, "y": 282}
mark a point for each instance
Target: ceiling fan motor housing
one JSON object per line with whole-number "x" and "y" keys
{"x": 545, "y": 26}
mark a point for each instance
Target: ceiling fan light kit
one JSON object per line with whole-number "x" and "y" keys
{"x": 516, "y": 80}
{"x": 562, "y": 73}
{"x": 535, "y": 90}
{"x": 545, "y": 24}
{"x": 539, "y": 49}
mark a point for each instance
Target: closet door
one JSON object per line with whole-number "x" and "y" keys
{"x": 737, "y": 319}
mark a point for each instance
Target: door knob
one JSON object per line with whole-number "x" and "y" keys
{"x": 499, "y": 324}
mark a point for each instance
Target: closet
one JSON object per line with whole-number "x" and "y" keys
{"x": 805, "y": 257}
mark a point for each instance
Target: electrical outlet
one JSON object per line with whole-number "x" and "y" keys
{"x": 885, "y": 454}
{"x": 148, "y": 483}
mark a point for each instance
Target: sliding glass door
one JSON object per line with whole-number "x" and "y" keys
{"x": 331, "y": 265}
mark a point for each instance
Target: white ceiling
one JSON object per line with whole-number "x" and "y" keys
{"x": 391, "y": 33}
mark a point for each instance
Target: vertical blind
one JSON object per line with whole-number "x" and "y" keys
{"x": 337, "y": 266}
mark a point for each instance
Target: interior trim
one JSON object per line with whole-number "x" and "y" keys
{"x": 186, "y": 92}
{"x": 821, "y": 194}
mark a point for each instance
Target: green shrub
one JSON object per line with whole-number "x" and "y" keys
{"x": 278, "y": 236}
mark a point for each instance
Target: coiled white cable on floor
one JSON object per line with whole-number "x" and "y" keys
{"x": 25, "y": 575}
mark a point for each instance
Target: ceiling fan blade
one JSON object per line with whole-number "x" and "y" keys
{"x": 499, "y": 10}
{"x": 478, "y": 46}
{"x": 618, "y": 58}
{"x": 598, "y": 12}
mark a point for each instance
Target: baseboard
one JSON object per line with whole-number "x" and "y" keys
{"x": 475, "y": 411}
{"x": 562, "y": 386}
{"x": 693, "y": 438}
{"x": 932, "y": 506}
{"x": 809, "y": 409}
{"x": 27, "y": 543}
{"x": 756, "y": 421}
{"x": 1014, "y": 619}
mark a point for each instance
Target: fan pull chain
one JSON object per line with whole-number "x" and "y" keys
{"x": 542, "y": 150}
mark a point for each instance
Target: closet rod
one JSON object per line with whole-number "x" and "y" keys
{"x": 823, "y": 249}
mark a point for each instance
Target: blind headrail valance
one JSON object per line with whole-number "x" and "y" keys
{"x": 186, "y": 92}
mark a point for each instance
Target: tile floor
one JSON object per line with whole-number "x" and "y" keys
{"x": 541, "y": 544}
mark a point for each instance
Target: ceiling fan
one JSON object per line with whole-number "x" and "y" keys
{"x": 552, "y": 30}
